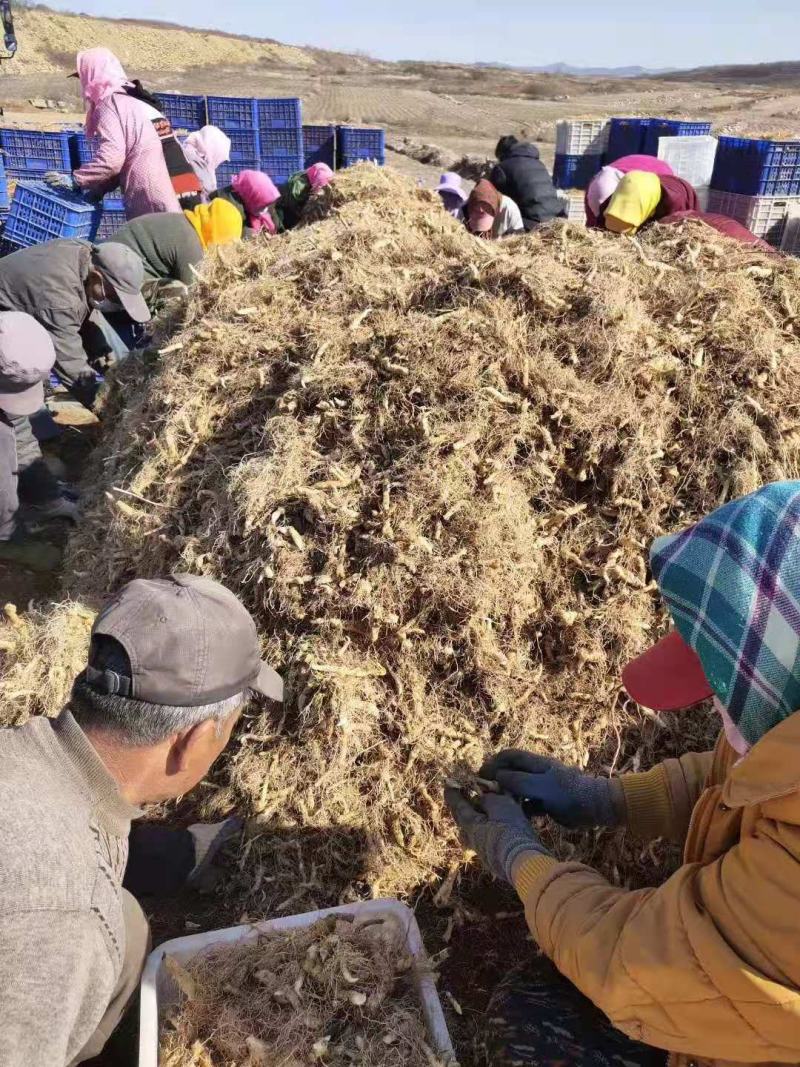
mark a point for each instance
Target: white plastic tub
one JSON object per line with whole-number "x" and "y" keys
{"x": 158, "y": 991}
{"x": 692, "y": 158}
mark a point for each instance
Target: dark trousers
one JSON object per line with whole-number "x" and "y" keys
{"x": 537, "y": 1018}
{"x": 160, "y": 860}
{"x": 37, "y": 483}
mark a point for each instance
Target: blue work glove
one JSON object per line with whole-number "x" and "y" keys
{"x": 551, "y": 788}
{"x": 56, "y": 180}
{"x": 495, "y": 827}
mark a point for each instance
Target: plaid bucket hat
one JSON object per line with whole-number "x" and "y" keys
{"x": 732, "y": 586}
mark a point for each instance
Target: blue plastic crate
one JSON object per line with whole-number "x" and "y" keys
{"x": 233, "y": 112}
{"x": 245, "y": 148}
{"x": 35, "y": 150}
{"x": 319, "y": 145}
{"x": 575, "y": 172}
{"x": 658, "y": 128}
{"x": 39, "y": 213}
{"x": 281, "y": 168}
{"x": 757, "y": 168}
{"x": 626, "y": 137}
{"x": 354, "y": 143}
{"x": 280, "y": 113}
{"x": 107, "y": 224}
{"x": 183, "y": 111}
{"x": 82, "y": 149}
{"x": 5, "y": 203}
{"x": 282, "y": 143}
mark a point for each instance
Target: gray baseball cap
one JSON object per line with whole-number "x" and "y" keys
{"x": 27, "y": 356}
{"x": 189, "y": 640}
{"x": 123, "y": 269}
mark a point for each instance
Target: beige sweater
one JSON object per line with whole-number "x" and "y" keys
{"x": 63, "y": 848}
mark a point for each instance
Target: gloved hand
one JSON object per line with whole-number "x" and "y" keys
{"x": 56, "y": 180}
{"x": 552, "y": 788}
{"x": 495, "y": 827}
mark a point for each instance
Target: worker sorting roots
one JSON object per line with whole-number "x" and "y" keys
{"x": 172, "y": 663}
{"x": 707, "y": 966}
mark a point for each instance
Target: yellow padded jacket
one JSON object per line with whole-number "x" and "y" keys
{"x": 707, "y": 965}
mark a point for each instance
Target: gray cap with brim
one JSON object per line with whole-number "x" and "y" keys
{"x": 123, "y": 269}
{"x": 27, "y": 356}
{"x": 189, "y": 640}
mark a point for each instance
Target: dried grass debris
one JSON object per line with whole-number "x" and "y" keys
{"x": 432, "y": 466}
{"x": 338, "y": 992}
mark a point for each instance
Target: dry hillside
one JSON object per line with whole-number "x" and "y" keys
{"x": 48, "y": 40}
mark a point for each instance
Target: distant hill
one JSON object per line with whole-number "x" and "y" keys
{"x": 787, "y": 73}
{"x": 568, "y": 70}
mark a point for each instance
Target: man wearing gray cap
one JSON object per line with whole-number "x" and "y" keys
{"x": 171, "y": 664}
{"x": 26, "y": 358}
{"x": 61, "y": 283}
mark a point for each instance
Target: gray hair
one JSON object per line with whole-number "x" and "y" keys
{"x": 139, "y": 723}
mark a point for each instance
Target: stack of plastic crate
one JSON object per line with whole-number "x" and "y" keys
{"x": 185, "y": 113}
{"x": 757, "y": 183}
{"x": 280, "y": 129}
{"x": 319, "y": 145}
{"x": 39, "y": 213}
{"x": 32, "y": 153}
{"x": 626, "y": 137}
{"x": 575, "y": 204}
{"x": 356, "y": 144}
{"x": 238, "y": 117}
{"x": 109, "y": 216}
{"x": 580, "y": 147}
{"x": 691, "y": 158}
{"x": 658, "y": 128}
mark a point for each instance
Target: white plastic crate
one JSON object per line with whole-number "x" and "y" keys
{"x": 703, "y": 195}
{"x": 575, "y": 205}
{"x": 790, "y": 244}
{"x": 765, "y": 216}
{"x": 579, "y": 137}
{"x": 159, "y": 992}
{"x": 692, "y": 158}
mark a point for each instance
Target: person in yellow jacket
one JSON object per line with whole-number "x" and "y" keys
{"x": 705, "y": 969}
{"x": 216, "y": 223}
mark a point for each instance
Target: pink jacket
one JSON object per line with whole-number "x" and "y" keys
{"x": 129, "y": 153}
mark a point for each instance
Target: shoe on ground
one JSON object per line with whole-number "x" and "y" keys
{"x": 209, "y": 838}
{"x": 62, "y": 507}
{"x": 38, "y": 556}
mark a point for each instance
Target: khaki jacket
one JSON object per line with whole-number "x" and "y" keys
{"x": 707, "y": 965}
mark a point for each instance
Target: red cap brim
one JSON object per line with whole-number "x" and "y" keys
{"x": 668, "y": 677}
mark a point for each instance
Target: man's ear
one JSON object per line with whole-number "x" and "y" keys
{"x": 188, "y": 743}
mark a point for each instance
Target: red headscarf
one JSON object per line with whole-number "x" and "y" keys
{"x": 676, "y": 195}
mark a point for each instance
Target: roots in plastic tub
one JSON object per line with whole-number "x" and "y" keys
{"x": 338, "y": 992}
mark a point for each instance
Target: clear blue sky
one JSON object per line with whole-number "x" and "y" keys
{"x": 677, "y": 33}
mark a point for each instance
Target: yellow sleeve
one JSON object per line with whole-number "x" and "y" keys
{"x": 659, "y": 802}
{"x": 699, "y": 965}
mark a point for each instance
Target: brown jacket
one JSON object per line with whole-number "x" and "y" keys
{"x": 708, "y": 964}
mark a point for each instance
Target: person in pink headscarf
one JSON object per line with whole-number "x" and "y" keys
{"x": 135, "y": 146}
{"x": 604, "y": 184}
{"x": 253, "y": 193}
{"x": 296, "y": 191}
{"x": 205, "y": 150}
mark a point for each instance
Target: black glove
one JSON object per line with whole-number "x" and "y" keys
{"x": 552, "y": 788}
{"x": 495, "y": 827}
{"x": 56, "y": 180}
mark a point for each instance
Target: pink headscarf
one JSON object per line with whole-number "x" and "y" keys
{"x": 319, "y": 174}
{"x": 210, "y": 146}
{"x": 100, "y": 74}
{"x": 602, "y": 186}
{"x": 256, "y": 191}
